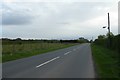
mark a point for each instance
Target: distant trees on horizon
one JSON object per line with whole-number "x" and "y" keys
{"x": 20, "y": 41}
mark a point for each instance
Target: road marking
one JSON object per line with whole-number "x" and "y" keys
{"x": 67, "y": 53}
{"x": 47, "y": 62}
{"x": 74, "y": 49}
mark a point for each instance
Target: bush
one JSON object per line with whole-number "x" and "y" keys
{"x": 115, "y": 41}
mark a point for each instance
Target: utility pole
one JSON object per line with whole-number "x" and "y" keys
{"x": 109, "y": 36}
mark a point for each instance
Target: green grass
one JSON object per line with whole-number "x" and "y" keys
{"x": 106, "y": 62}
{"x": 17, "y": 51}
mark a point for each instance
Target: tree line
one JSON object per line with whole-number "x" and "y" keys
{"x": 21, "y": 41}
{"x": 112, "y": 42}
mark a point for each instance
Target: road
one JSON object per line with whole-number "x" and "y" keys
{"x": 72, "y": 62}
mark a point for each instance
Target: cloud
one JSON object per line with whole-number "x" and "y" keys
{"x": 15, "y": 16}
{"x": 61, "y": 0}
{"x": 119, "y": 17}
{"x": 15, "y": 19}
{"x": 56, "y": 20}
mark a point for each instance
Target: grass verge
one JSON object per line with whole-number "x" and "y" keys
{"x": 28, "y": 50}
{"x": 106, "y": 62}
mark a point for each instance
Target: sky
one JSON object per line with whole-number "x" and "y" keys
{"x": 53, "y": 19}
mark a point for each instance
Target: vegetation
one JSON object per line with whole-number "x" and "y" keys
{"x": 106, "y": 62}
{"x": 18, "y": 48}
{"x": 111, "y": 43}
{"x": 106, "y": 53}
{"x": 16, "y": 51}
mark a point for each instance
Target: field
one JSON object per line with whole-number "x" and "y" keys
{"x": 106, "y": 61}
{"x": 16, "y": 51}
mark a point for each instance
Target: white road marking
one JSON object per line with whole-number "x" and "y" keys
{"x": 67, "y": 53}
{"x": 47, "y": 62}
{"x": 74, "y": 49}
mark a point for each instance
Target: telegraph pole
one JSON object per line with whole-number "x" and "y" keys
{"x": 109, "y": 36}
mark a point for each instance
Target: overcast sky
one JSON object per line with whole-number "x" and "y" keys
{"x": 53, "y": 19}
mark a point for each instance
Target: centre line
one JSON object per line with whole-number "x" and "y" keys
{"x": 67, "y": 53}
{"x": 47, "y": 62}
{"x": 74, "y": 49}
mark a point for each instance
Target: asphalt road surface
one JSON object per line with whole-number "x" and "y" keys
{"x": 72, "y": 62}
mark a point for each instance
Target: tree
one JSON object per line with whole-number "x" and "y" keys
{"x": 19, "y": 40}
{"x": 101, "y": 37}
{"x": 83, "y": 40}
{"x": 111, "y": 35}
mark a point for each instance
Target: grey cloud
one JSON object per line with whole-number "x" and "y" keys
{"x": 119, "y": 17}
{"x": 3, "y": 6}
{"x": 15, "y": 16}
{"x": 15, "y": 19}
{"x": 63, "y": 12}
{"x": 54, "y": 20}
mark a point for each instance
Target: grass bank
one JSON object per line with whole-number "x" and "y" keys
{"x": 106, "y": 62}
{"x": 17, "y": 51}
